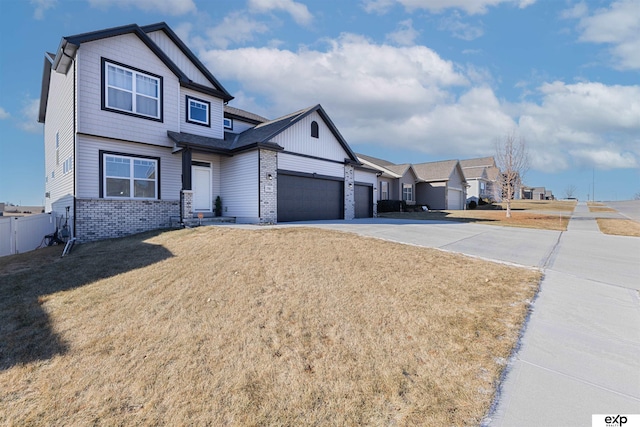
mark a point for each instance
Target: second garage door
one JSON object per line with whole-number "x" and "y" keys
{"x": 364, "y": 200}
{"x": 306, "y": 198}
{"x": 455, "y": 200}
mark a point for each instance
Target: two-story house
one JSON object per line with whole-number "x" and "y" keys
{"x": 483, "y": 176}
{"x": 138, "y": 131}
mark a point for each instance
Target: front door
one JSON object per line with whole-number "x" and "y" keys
{"x": 201, "y": 188}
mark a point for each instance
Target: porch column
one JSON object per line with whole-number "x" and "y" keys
{"x": 186, "y": 169}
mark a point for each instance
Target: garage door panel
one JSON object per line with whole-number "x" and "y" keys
{"x": 302, "y": 198}
{"x": 363, "y": 195}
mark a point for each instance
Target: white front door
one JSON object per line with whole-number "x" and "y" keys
{"x": 201, "y": 177}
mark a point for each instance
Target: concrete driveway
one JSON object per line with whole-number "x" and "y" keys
{"x": 579, "y": 353}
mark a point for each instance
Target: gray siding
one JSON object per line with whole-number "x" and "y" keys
{"x": 216, "y": 128}
{"x": 88, "y": 185}
{"x": 298, "y": 139}
{"x": 308, "y": 165}
{"x": 59, "y": 119}
{"x": 129, "y": 50}
{"x": 239, "y": 186}
{"x": 179, "y": 58}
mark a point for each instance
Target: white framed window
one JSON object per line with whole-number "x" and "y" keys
{"x": 127, "y": 177}
{"x": 227, "y": 123}
{"x": 407, "y": 192}
{"x": 131, "y": 91}
{"x": 67, "y": 166}
{"x": 198, "y": 111}
{"x": 384, "y": 190}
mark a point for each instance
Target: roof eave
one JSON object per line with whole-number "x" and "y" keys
{"x": 44, "y": 89}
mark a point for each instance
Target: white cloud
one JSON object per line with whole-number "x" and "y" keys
{"x": 377, "y": 6}
{"x": 617, "y": 26}
{"x": 471, "y": 7}
{"x": 574, "y": 122}
{"x": 29, "y": 113}
{"x": 3, "y": 114}
{"x": 410, "y": 98}
{"x": 298, "y": 11}
{"x": 405, "y": 35}
{"x": 168, "y": 7}
{"x": 459, "y": 29}
{"x": 236, "y": 27}
{"x": 42, "y": 6}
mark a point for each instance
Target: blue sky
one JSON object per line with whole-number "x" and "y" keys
{"x": 409, "y": 81}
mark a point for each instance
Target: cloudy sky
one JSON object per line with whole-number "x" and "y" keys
{"x": 409, "y": 81}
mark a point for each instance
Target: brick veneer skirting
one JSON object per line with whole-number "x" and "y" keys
{"x": 98, "y": 219}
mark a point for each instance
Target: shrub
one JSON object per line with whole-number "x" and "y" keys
{"x": 473, "y": 204}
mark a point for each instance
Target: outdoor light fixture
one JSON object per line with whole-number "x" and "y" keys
{"x": 350, "y": 185}
{"x": 269, "y": 176}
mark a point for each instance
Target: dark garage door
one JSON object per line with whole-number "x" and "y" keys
{"x": 364, "y": 200}
{"x": 302, "y": 198}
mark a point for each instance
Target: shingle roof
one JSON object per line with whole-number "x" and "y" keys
{"x": 475, "y": 172}
{"x": 375, "y": 160}
{"x": 481, "y": 161}
{"x": 242, "y": 114}
{"x": 435, "y": 171}
{"x": 398, "y": 169}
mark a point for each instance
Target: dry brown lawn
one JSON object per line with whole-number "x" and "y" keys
{"x": 599, "y": 207}
{"x": 220, "y": 326}
{"x": 542, "y": 205}
{"x": 492, "y": 217}
{"x": 619, "y": 227}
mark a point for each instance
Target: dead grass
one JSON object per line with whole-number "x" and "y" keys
{"x": 492, "y": 217}
{"x": 542, "y": 205}
{"x": 619, "y": 227}
{"x": 219, "y": 326}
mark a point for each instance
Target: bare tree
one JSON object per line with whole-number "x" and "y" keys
{"x": 512, "y": 157}
{"x": 636, "y": 196}
{"x": 570, "y": 191}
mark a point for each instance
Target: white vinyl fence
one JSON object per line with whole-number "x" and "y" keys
{"x": 23, "y": 234}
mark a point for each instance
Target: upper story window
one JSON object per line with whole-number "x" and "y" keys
{"x": 315, "y": 132}
{"x": 131, "y": 91}
{"x": 129, "y": 177}
{"x": 198, "y": 111}
{"x": 228, "y": 123}
{"x": 407, "y": 192}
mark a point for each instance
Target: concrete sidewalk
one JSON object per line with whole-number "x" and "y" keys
{"x": 580, "y": 351}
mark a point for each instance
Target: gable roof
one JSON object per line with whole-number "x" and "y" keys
{"x": 477, "y": 172}
{"x": 266, "y": 131}
{"x": 257, "y": 137}
{"x": 62, "y": 59}
{"x": 162, "y": 26}
{"x": 437, "y": 171}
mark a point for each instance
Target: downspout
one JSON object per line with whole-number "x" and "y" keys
{"x": 75, "y": 143}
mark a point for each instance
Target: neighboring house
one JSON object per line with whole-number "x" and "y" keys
{"x": 538, "y": 193}
{"x": 482, "y": 175}
{"x": 548, "y": 195}
{"x": 439, "y": 185}
{"x": 137, "y": 132}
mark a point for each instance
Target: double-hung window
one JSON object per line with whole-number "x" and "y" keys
{"x": 384, "y": 190}
{"x": 132, "y": 91}
{"x": 198, "y": 111}
{"x": 130, "y": 177}
{"x": 407, "y": 192}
